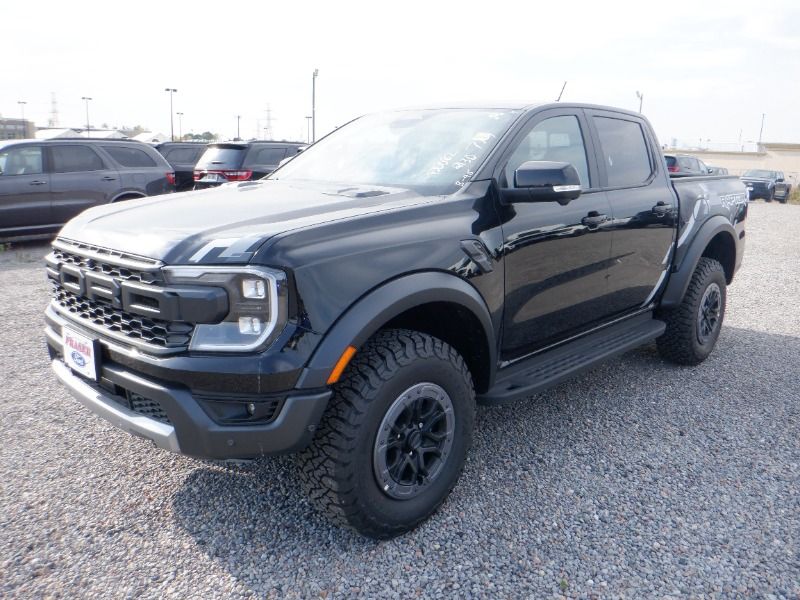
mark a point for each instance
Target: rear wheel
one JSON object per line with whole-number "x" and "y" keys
{"x": 694, "y": 326}
{"x": 394, "y": 438}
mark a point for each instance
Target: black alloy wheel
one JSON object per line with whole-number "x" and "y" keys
{"x": 413, "y": 441}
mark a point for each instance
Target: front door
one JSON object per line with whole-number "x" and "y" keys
{"x": 24, "y": 190}
{"x": 556, "y": 257}
{"x": 643, "y": 210}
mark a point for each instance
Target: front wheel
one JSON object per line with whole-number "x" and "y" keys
{"x": 786, "y": 194}
{"x": 770, "y": 195}
{"x": 394, "y": 438}
{"x": 694, "y": 326}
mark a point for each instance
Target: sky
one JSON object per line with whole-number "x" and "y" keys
{"x": 707, "y": 70}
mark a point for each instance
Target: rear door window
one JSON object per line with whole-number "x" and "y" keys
{"x": 221, "y": 157}
{"x": 671, "y": 161}
{"x": 130, "y": 157}
{"x": 624, "y": 149}
{"x": 265, "y": 156}
{"x": 21, "y": 160}
{"x": 75, "y": 158}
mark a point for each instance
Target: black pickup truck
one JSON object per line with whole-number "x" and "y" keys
{"x": 353, "y": 306}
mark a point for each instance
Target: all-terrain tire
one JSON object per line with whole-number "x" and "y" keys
{"x": 683, "y": 341}
{"x": 338, "y": 468}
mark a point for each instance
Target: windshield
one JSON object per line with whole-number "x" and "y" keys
{"x": 431, "y": 151}
{"x": 760, "y": 173}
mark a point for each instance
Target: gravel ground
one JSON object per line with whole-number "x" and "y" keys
{"x": 639, "y": 479}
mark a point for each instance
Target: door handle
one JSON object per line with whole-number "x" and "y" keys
{"x": 661, "y": 209}
{"x": 107, "y": 178}
{"x": 594, "y": 220}
{"x": 38, "y": 182}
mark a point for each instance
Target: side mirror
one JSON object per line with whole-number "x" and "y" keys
{"x": 779, "y": 180}
{"x": 548, "y": 181}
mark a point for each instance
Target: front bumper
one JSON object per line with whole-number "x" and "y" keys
{"x": 184, "y": 421}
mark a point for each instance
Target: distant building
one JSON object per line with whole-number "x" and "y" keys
{"x": 54, "y": 133}
{"x": 16, "y": 129}
{"x": 770, "y": 156}
{"x": 150, "y": 137}
{"x": 103, "y": 133}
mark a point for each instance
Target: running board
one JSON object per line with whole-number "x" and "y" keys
{"x": 544, "y": 370}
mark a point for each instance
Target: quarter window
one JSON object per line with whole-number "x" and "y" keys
{"x": 555, "y": 139}
{"x": 624, "y": 150}
{"x": 25, "y": 160}
{"x": 267, "y": 156}
{"x": 72, "y": 159}
{"x": 130, "y": 157}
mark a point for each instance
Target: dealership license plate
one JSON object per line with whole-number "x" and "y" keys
{"x": 211, "y": 178}
{"x": 80, "y": 353}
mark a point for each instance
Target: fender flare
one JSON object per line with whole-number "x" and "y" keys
{"x": 679, "y": 279}
{"x": 372, "y": 311}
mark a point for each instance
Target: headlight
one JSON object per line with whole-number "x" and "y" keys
{"x": 257, "y": 301}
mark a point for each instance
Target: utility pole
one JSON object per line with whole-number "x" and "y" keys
{"x": 180, "y": 126}
{"x": 314, "y": 106}
{"x": 53, "y": 120}
{"x": 88, "y": 125}
{"x": 640, "y": 96}
{"x": 761, "y": 132}
{"x": 308, "y": 130}
{"x": 171, "y": 115}
{"x": 238, "y": 118}
{"x": 268, "y": 128}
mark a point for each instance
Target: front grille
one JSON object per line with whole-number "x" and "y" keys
{"x": 147, "y": 407}
{"x": 112, "y": 270}
{"x": 163, "y": 334}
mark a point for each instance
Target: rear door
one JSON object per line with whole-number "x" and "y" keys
{"x": 263, "y": 160}
{"x": 80, "y": 179}
{"x": 556, "y": 257}
{"x": 642, "y": 205}
{"x": 24, "y": 190}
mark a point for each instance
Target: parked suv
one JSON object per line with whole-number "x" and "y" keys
{"x": 685, "y": 164}
{"x": 44, "y": 183}
{"x": 183, "y": 156}
{"x": 241, "y": 161}
{"x": 769, "y": 185}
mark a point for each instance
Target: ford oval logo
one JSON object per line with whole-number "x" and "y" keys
{"x": 79, "y": 360}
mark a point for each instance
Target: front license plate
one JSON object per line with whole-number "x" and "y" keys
{"x": 80, "y": 353}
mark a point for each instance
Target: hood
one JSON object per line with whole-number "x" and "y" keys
{"x": 756, "y": 179}
{"x": 228, "y": 223}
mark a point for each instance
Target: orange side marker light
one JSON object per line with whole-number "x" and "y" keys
{"x": 341, "y": 364}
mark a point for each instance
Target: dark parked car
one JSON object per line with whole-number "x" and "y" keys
{"x": 769, "y": 185}
{"x": 183, "y": 156}
{"x": 685, "y": 164}
{"x": 241, "y": 161}
{"x": 354, "y": 305}
{"x": 44, "y": 183}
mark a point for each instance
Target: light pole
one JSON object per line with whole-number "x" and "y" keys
{"x": 640, "y": 96}
{"x": 171, "y": 126}
{"x": 308, "y": 130}
{"x": 238, "y": 118}
{"x": 761, "y": 131}
{"x": 314, "y": 106}
{"x": 22, "y": 104}
{"x": 88, "y": 125}
{"x": 180, "y": 126}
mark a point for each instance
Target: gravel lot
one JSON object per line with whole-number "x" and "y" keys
{"x": 639, "y": 479}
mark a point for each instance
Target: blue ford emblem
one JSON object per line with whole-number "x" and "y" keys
{"x": 76, "y": 356}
